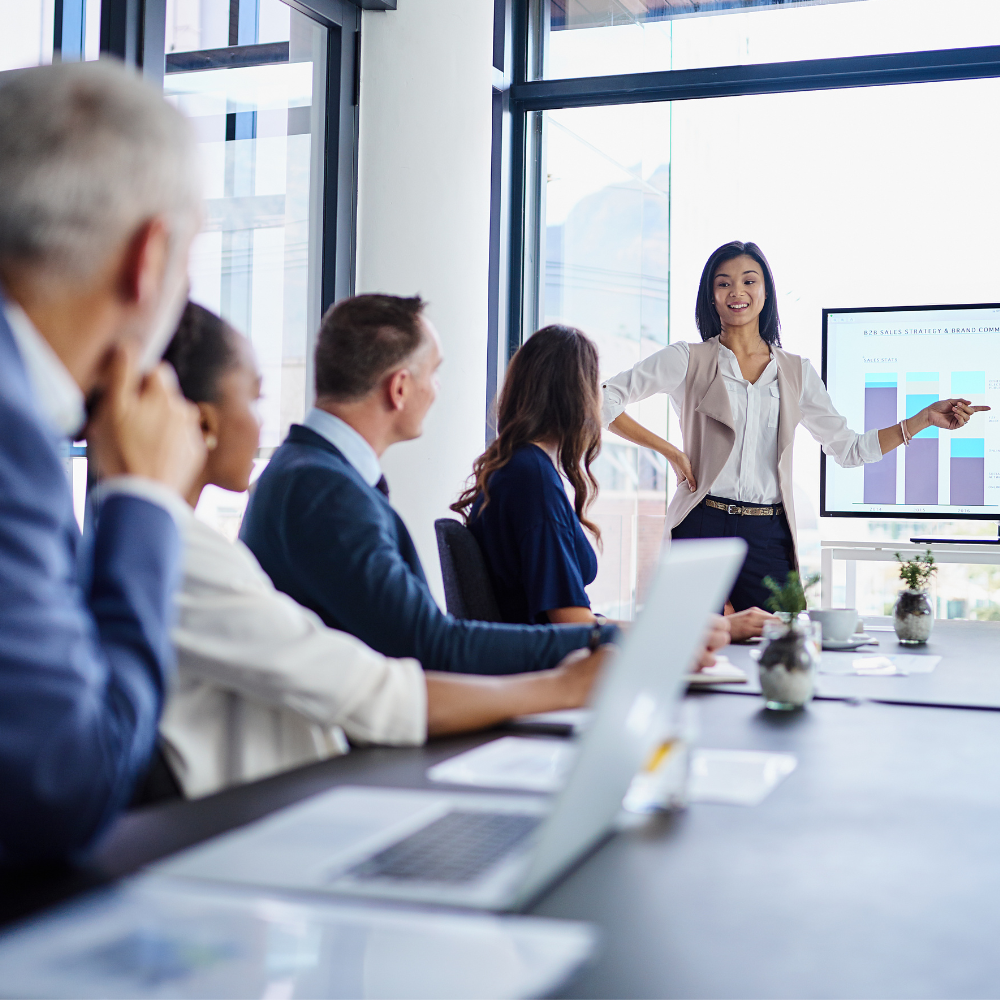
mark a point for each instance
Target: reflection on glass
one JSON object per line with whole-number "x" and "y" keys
{"x": 601, "y": 37}
{"x": 880, "y": 196}
{"x": 257, "y": 260}
{"x": 208, "y": 24}
{"x": 26, "y": 36}
{"x": 607, "y": 271}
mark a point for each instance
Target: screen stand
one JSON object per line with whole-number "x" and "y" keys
{"x": 958, "y": 541}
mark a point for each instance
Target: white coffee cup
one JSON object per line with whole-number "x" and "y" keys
{"x": 838, "y": 623}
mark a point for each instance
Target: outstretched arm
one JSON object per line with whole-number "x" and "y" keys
{"x": 949, "y": 414}
{"x": 461, "y": 703}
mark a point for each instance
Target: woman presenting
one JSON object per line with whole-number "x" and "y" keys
{"x": 739, "y": 398}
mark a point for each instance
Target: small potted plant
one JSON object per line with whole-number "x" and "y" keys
{"x": 787, "y": 664}
{"x": 913, "y": 615}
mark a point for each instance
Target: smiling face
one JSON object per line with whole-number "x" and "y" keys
{"x": 739, "y": 292}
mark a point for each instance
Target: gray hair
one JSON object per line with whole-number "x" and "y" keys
{"x": 89, "y": 152}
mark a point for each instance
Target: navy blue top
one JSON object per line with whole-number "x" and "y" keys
{"x": 85, "y": 650}
{"x": 535, "y": 548}
{"x": 334, "y": 543}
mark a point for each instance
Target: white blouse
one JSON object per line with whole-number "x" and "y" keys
{"x": 751, "y": 474}
{"x": 263, "y": 685}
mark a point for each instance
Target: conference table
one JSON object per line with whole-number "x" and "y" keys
{"x": 871, "y": 871}
{"x": 968, "y": 675}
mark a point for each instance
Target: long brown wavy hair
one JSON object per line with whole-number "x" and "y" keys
{"x": 551, "y": 391}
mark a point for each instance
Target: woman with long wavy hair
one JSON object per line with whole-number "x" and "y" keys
{"x": 548, "y": 427}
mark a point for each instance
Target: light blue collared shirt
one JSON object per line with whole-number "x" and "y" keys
{"x": 348, "y": 441}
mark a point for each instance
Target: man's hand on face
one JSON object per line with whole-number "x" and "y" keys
{"x": 143, "y": 426}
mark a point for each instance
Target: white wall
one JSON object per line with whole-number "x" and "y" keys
{"x": 423, "y": 226}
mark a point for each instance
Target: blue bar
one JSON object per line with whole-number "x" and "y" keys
{"x": 915, "y": 402}
{"x": 968, "y": 447}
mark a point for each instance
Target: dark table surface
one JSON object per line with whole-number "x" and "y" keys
{"x": 968, "y": 675}
{"x": 871, "y": 871}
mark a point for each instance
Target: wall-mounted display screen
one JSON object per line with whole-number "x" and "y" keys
{"x": 883, "y": 365}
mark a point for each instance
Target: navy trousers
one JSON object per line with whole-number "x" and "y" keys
{"x": 770, "y": 551}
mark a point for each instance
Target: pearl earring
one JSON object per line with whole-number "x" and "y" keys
{"x": 211, "y": 442}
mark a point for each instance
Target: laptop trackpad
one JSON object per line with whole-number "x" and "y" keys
{"x": 299, "y": 847}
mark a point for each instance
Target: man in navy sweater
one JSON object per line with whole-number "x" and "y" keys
{"x": 98, "y": 206}
{"x": 320, "y": 522}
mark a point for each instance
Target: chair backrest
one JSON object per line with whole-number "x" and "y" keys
{"x": 468, "y": 590}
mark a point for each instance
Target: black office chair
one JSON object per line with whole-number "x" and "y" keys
{"x": 468, "y": 590}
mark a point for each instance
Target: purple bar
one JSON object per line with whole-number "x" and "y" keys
{"x": 968, "y": 481}
{"x": 880, "y": 477}
{"x": 921, "y": 474}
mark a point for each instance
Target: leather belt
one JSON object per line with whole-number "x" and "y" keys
{"x": 738, "y": 508}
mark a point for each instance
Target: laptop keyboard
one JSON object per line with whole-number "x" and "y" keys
{"x": 458, "y": 847}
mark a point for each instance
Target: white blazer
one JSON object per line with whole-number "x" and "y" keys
{"x": 263, "y": 685}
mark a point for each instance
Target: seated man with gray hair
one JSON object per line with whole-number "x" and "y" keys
{"x": 98, "y": 206}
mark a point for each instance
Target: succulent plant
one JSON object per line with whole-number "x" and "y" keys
{"x": 916, "y": 573}
{"x": 791, "y": 598}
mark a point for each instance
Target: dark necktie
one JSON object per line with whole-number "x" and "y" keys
{"x": 383, "y": 487}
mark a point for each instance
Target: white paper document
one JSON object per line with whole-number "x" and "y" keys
{"x": 723, "y": 671}
{"x": 155, "y": 937}
{"x": 736, "y": 777}
{"x": 897, "y": 665}
{"x": 530, "y": 765}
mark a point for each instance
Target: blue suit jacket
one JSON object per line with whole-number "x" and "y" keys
{"x": 335, "y": 544}
{"x": 82, "y": 666}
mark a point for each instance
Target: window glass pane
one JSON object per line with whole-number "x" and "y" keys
{"x": 858, "y": 198}
{"x": 26, "y": 36}
{"x": 257, "y": 262}
{"x": 601, "y": 37}
{"x": 209, "y": 24}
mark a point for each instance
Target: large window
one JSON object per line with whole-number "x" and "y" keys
{"x": 596, "y": 37}
{"x": 269, "y": 88}
{"x": 259, "y": 110}
{"x": 862, "y": 196}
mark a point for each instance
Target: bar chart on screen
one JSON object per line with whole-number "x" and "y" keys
{"x": 885, "y": 365}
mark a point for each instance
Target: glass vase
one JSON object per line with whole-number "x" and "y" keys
{"x": 913, "y": 617}
{"x": 788, "y": 663}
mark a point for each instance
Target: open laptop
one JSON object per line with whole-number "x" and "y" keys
{"x": 491, "y": 851}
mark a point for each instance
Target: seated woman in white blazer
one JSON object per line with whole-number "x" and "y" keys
{"x": 262, "y": 684}
{"x": 739, "y": 398}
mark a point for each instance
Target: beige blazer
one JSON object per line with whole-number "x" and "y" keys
{"x": 709, "y": 435}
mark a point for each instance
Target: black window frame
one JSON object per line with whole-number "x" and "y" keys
{"x": 518, "y": 270}
{"x": 135, "y": 31}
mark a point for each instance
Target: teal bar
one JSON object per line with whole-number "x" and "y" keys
{"x": 880, "y": 380}
{"x": 968, "y": 383}
{"x": 968, "y": 448}
{"x": 915, "y": 402}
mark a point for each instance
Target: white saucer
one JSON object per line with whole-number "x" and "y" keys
{"x": 840, "y": 645}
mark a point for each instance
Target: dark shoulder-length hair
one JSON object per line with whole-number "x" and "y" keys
{"x": 552, "y": 391}
{"x": 706, "y": 316}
